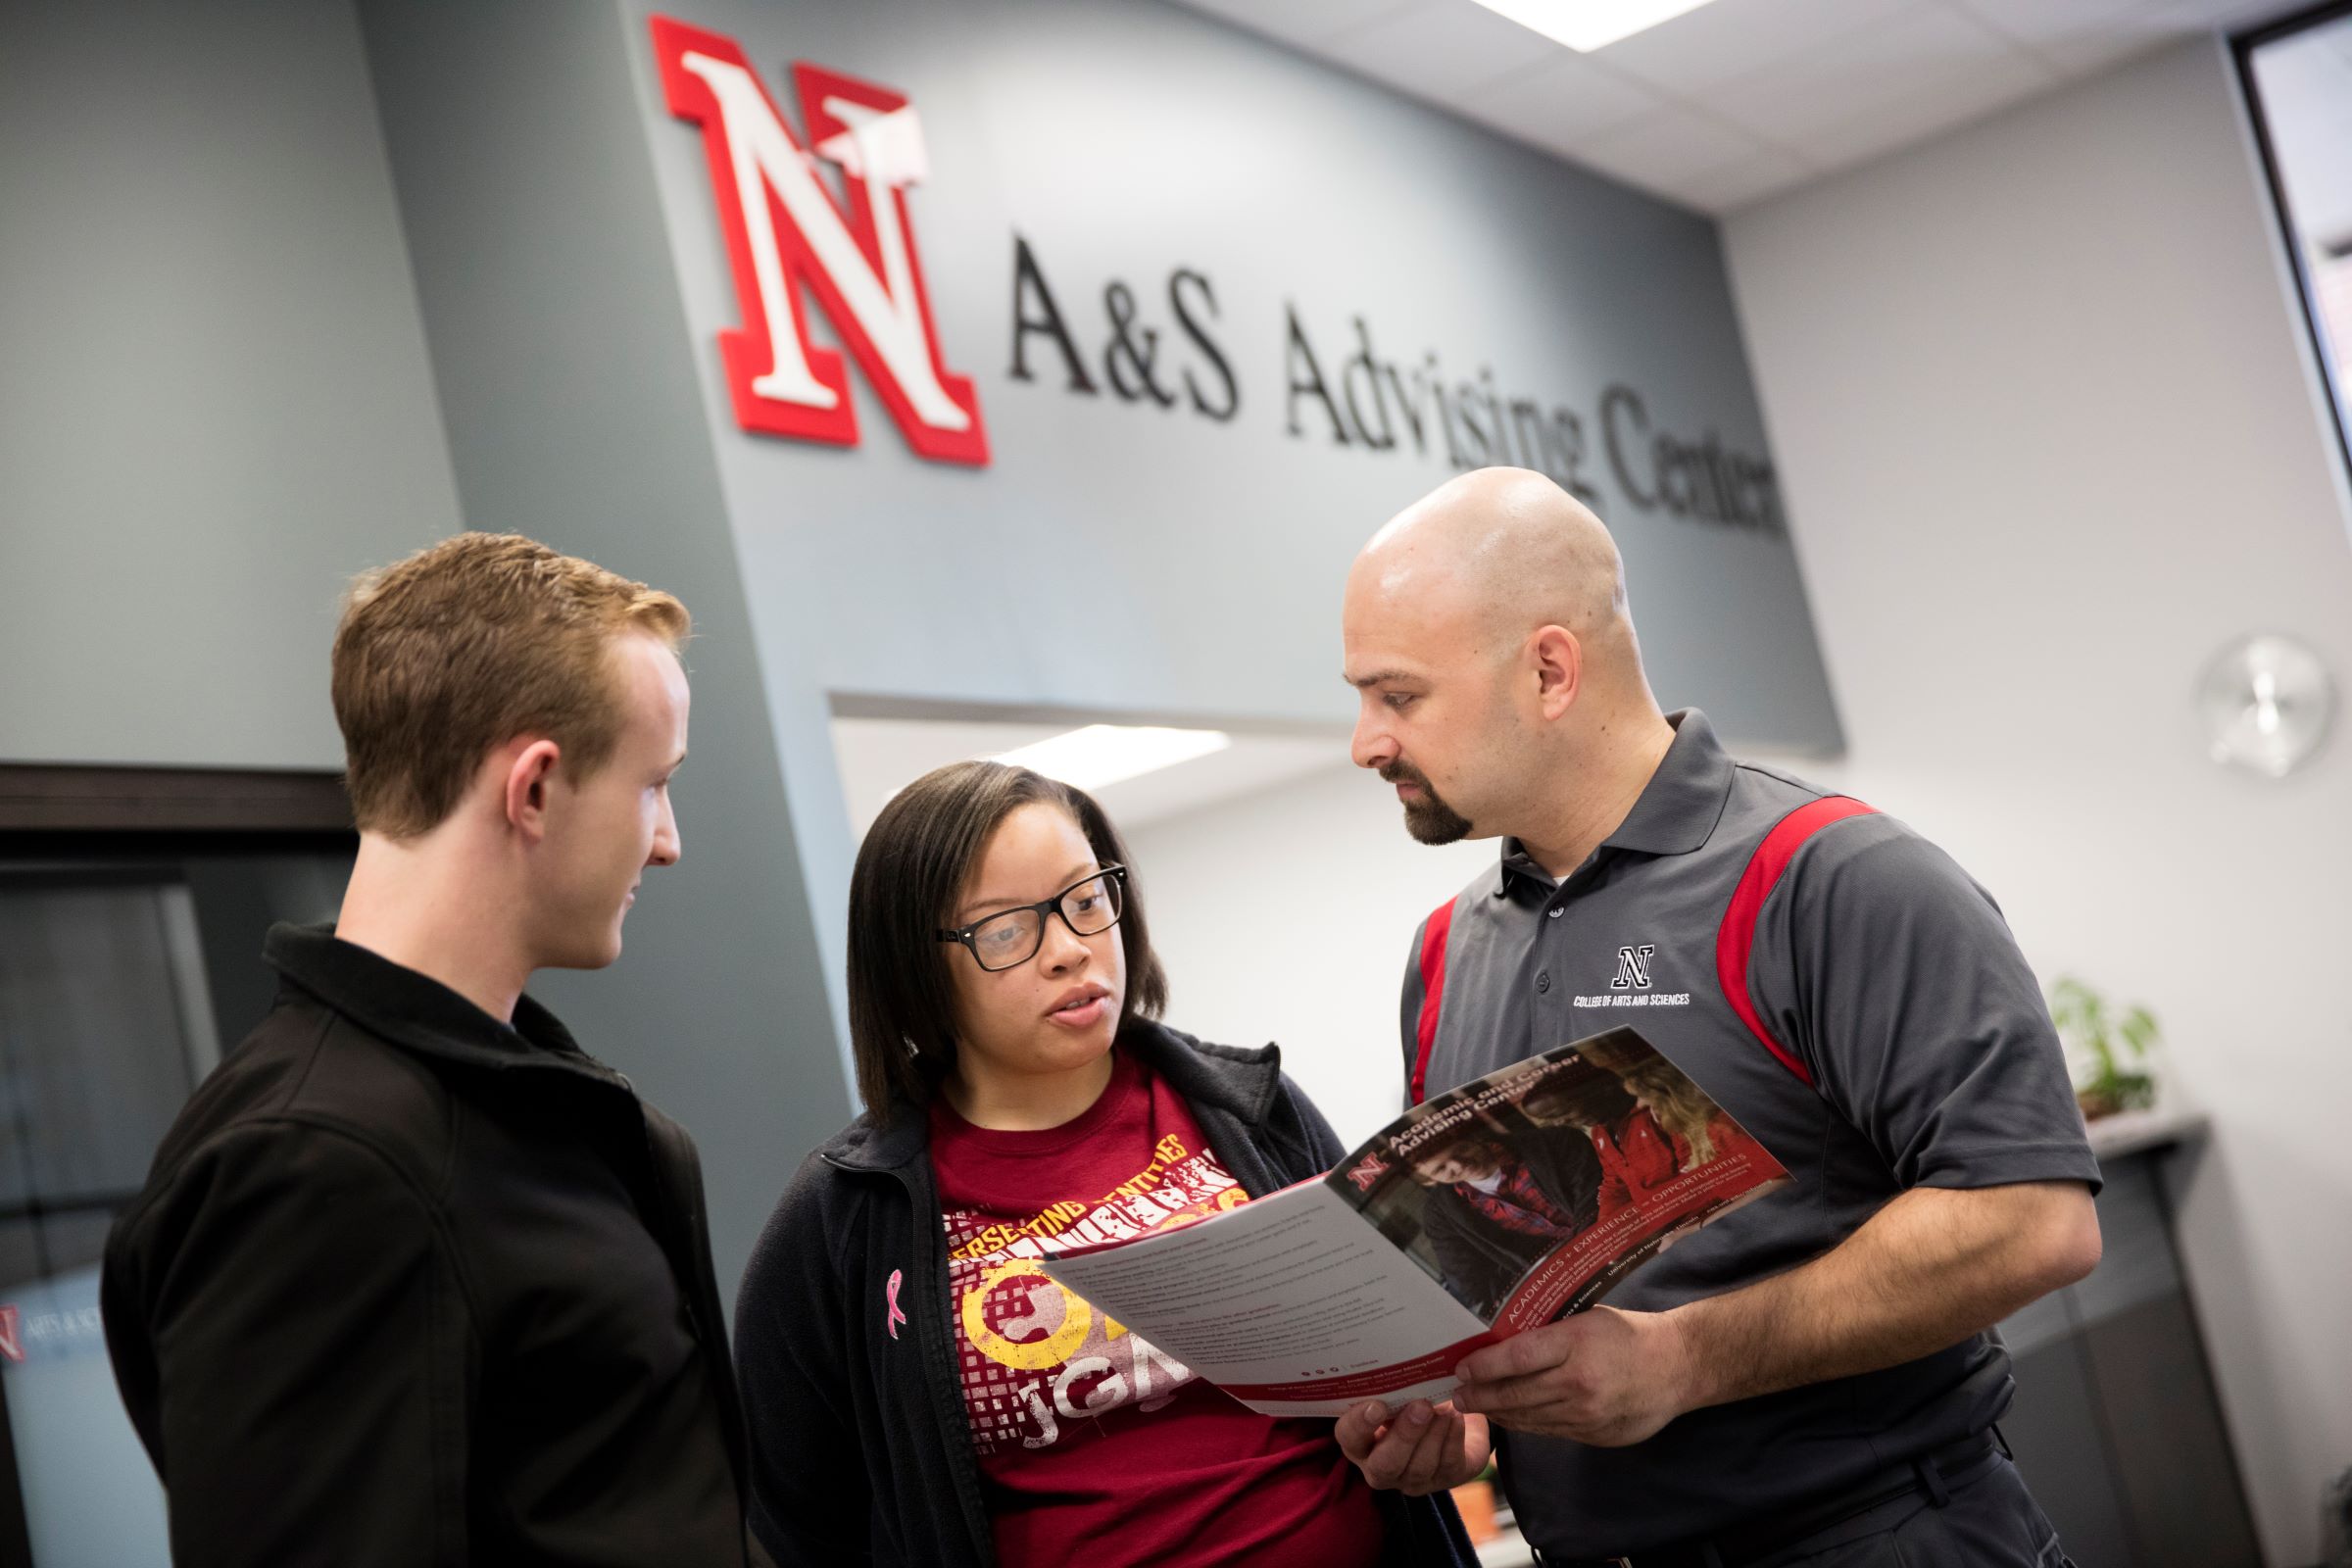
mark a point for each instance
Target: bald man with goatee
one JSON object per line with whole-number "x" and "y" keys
{"x": 1811, "y": 1372}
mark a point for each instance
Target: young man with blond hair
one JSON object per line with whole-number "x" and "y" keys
{"x": 415, "y": 1280}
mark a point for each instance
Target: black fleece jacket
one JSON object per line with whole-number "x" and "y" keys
{"x": 410, "y": 1288}
{"x": 859, "y": 1449}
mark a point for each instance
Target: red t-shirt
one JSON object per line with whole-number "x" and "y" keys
{"x": 1094, "y": 1447}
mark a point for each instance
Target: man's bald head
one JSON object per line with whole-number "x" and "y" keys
{"x": 1486, "y": 632}
{"x": 1499, "y": 552}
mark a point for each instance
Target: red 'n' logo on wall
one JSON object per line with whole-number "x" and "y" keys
{"x": 783, "y": 227}
{"x": 12, "y": 1333}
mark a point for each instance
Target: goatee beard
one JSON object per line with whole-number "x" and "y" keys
{"x": 1432, "y": 821}
{"x": 1427, "y": 819}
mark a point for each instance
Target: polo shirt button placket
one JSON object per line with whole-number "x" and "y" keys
{"x": 1543, "y": 980}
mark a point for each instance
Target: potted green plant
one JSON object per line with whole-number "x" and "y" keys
{"x": 2106, "y": 1049}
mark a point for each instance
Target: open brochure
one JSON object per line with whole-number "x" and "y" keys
{"x": 1508, "y": 1203}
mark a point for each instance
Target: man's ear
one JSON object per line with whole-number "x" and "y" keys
{"x": 1560, "y": 666}
{"x": 529, "y": 778}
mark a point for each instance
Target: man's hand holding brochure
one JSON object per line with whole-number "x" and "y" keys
{"x": 1508, "y": 1203}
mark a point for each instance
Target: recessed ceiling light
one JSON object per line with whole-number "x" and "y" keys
{"x": 1106, "y": 754}
{"x": 1587, "y": 25}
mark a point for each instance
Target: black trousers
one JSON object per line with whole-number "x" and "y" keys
{"x": 1975, "y": 1514}
{"x": 1986, "y": 1520}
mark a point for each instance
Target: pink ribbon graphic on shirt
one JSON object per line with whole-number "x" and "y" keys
{"x": 896, "y": 1317}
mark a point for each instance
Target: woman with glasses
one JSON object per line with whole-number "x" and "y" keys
{"x": 918, "y": 1391}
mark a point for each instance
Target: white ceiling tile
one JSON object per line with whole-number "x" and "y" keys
{"x": 2033, "y": 22}
{"x": 2089, "y": 53}
{"x": 1702, "y": 49}
{"x": 2080, "y": 36}
{"x": 1301, "y": 21}
{"x": 1665, "y": 148}
{"x": 2206, "y": 16}
{"x": 1558, "y": 104}
{"x": 1922, "y": 57}
{"x": 1735, "y": 185}
{"x": 1440, "y": 49}
{"x": 2077, "y": 37}
{"x": 1946, "y": 105}
{"x": 1739, "y": 98}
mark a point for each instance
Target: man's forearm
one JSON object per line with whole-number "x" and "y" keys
{"x": 1930, "y": 1268}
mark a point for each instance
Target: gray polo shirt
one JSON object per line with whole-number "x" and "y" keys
{"x": 1889, "y": 980}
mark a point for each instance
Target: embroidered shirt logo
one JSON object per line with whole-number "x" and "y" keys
{"x": 1631, "y": 987}
{"x": 898, "y": 1277}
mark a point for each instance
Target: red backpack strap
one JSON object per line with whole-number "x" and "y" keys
{"x": 1736, "y": 939}
{"x": 1433, "y": 989}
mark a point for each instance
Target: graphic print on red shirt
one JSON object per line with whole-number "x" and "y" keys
{"x": 1090, "y": 1439}
{"x": 1034, "y": 1356}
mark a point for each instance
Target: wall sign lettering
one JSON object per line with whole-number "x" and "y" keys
{"x": 1159, "y": 348}
{"x": 783, "y": 227}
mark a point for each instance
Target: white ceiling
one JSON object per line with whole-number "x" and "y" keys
{"x": 1739, "y": 99}
{"x": 879, "y": 757}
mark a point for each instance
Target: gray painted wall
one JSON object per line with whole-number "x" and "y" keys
{"x": 291, "y": 289}
{"x": 1124, "y": 140}
{"x": 213, "y": 397}
{"x": 563, "y": 361}
{"x": 2068, "y": 340}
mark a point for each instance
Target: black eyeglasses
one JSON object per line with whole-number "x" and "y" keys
{"x": 1012, "y": 936}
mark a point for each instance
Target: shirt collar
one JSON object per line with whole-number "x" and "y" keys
{"x": 1679, "y": 806}
{"x": 415, "y": 1010}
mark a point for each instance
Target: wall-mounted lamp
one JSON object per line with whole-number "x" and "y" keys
{"x": 2266, "y": 703}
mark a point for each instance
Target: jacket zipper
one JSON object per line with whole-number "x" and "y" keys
{"x": 934, "y": 1336}
{"x": 937, "y": 1333}
{"x": 931, "y": 1291}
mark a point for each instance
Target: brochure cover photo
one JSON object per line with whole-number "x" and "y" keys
{"x": 1507, "y": 1202}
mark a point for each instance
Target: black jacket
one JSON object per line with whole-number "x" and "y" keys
{"x": 1481, "y": 1259}
{"x": 409, "y": 1287}
{"x": 860, "y": 1447}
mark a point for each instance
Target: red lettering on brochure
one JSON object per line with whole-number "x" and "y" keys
{"x": 1367, "y": 1385}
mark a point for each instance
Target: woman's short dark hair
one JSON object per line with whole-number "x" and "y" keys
{"x": 912, "y": 868}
